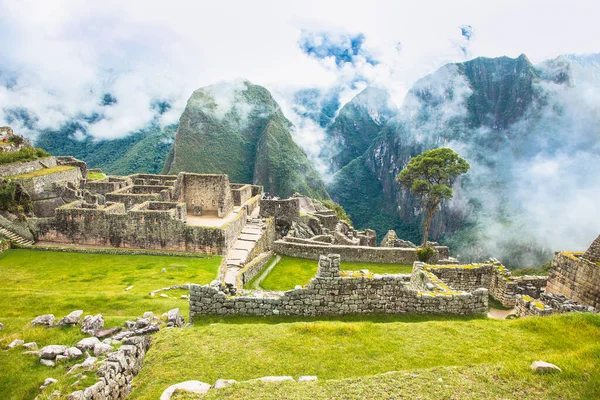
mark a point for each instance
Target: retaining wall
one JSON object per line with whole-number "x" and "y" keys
{"x": 331, "y": 294}
{"x": 252, "y": 268}
{"x": 575, "y": 278}
{"x": 19, "y": 168}
{"x": 287, "y": 209}
{"x": 384, "y": 255}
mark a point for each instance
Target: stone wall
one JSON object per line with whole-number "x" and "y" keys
{"x": 27, "y": 166}
{"x": 233, "y": 228}
{"x": 384, "y": 255}
{"x": 252, "y": 268}
{"x": 117, "y": 372}
{"x": 265, "y": 243}
{"x": 331, "y": 294}
{"x": 464, "y": 277}
{"x": 593, "y": 252}
{"x": 526, "y": 306}
{"x": 328, "y": 218}
{"x": 213, "y": 192}
{"x": 107, "y": 185}
{"x": 137, "y": 194}
{"x": 288, "y": 209}
{"x": 576, "y": 278}
{"x": 240, "y": 193}
{"x": 141, "y": 228}
{"x": 505, "y": 288}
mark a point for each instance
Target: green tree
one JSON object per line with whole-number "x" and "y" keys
{"x": 429, "y": 176}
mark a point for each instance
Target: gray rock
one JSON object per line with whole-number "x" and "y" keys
{"x": 164, "y": 270}
{"x": 164, "y": 295}
{"x": 87, "y": 343}
{"x": 72, "y": 319}
{"x": 50, "y": 352}
{"x": 73, "y": 352}
{"x": 47, "y": 363}
{"x": 274, "y": 379}
{"x": 1, "y": 326}
{"x": 149, "y": 314}
{"x": 30, "y": 345}
{"x": 16, "y": 343}
{"x": 47, "y": 382}
{"x": 141, "y": 323}
{"x": 174, "y": 318}
{"x": 92, "y": 323}
{"x": 43, "y": 320}
{"x": 89, "y": 362}
{"x": 101, "y": 348}
{"x": 542, "y": 366}
{"x": 78, "y": 395}
{"x": 307, "y": 378}
{"x": 35, "y": 353}
{"x": 221, "y": 383}
{"x": 102, "y": 333}
{"x": 196, "y": 387}
{"x": 61, "y": 357}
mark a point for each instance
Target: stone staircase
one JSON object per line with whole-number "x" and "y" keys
{"x": 15, "y": 237}
{"x": 242, "y": 247}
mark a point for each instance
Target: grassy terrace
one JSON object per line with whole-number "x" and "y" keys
{"x": 34, "y": 283}
{"x": 43, "y": 172}
{"x": 291, "y": 271}
{"x": 94, "y": 176}
{"x": 474, "y": 357}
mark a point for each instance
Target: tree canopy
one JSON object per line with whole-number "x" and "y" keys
{"x": 430, "y": 176}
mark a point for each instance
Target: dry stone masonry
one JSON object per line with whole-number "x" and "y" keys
{"x": 331, "y": 293}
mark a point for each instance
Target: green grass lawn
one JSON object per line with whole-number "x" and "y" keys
{"x": 92, "y": 176}
{"x": 291, "y": 271}
{"x": 474, "y": 357}
{"x": 38, "y": 282}
{"x": 43, "y": 172}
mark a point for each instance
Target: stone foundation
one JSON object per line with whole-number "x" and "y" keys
{"x": 575, "y": 277}
{"x": 330, "y": 293}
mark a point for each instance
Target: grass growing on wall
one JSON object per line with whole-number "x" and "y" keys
{"x": 34, "y": 283}
{"x": 291, "y": 271}
{"x": 43, "y": 172}
{"x": 93, "y": 176}
{"x": 474, "y": 357}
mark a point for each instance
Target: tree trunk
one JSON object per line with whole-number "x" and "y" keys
{"x": 427, "y": 226}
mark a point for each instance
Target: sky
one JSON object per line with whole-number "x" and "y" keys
{"x": 59, "y": 58}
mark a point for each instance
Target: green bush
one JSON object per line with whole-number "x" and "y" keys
{"x": 425, "y": 253}
{"x": 339, "y": 210}
{"x": 14, "y": 199}
{"x": 24, "y": 154}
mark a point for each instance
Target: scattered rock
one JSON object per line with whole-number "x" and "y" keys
{"x": 221, "y": 383}
{"x": 149, "y": 314}
{"x": 89, "y": 362}
{"x": 50, "y": 352}
{"x": 298, "y": 287}
{"x": 101, "y": 348}
{"x": 73, "y": 352}
{"x": 174, "y": 318}
{"x": 141, "y": 323}
{"x": 307, "y": 378}
{"x": 87, "y": 343}
{"x": 129, "y": 324}
{"x": 184, "y": 296}
{"x": 47, "y": 363}
{"x": 47, "y": 382}
{"x": 542, "y": 366}
{"x": 15, "y": 343}
{"x": 30, "y": 345}
{"x": 92, "y": 323}
{"x": 43, "y": 320}
{"x": 187, "y": 386}
{"x": 274, "y": 379}
{"x": 103, "y": 333}
{"x": 1, "y": 326}
{"x": 128, "y": 288}
{"x": 61, "y": 357}
{"x": 35, "y": 353}
{"x": 72, "y": 319}
{"x": 163, "y": 295}
{"x": 164, "y": 270}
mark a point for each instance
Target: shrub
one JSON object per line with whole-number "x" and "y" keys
{"x": 24, "y": 154}
{"x": 14, "y": 199}
{"x": 339, "y": 210}
{"x": 425, "y": 253}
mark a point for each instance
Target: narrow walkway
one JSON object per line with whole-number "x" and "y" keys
{"x": 263, "y": 275}
{"x": 494, "y": 313}
{"x": 243, "y": 246}
{"x": 17, "y": 238}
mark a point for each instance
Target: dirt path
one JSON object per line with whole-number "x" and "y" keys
{"x": 494, "y": 313}
{"x": 266, "y": 272}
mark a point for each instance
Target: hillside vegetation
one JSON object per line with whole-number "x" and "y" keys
{"x": 238, "y": 129}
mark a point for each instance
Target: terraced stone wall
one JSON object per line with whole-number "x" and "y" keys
{"x": 213, "y": 192}
{"x": 330, "y": 293}
{"x": 576, "y": 278}
{"x": 288, "y": 209}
